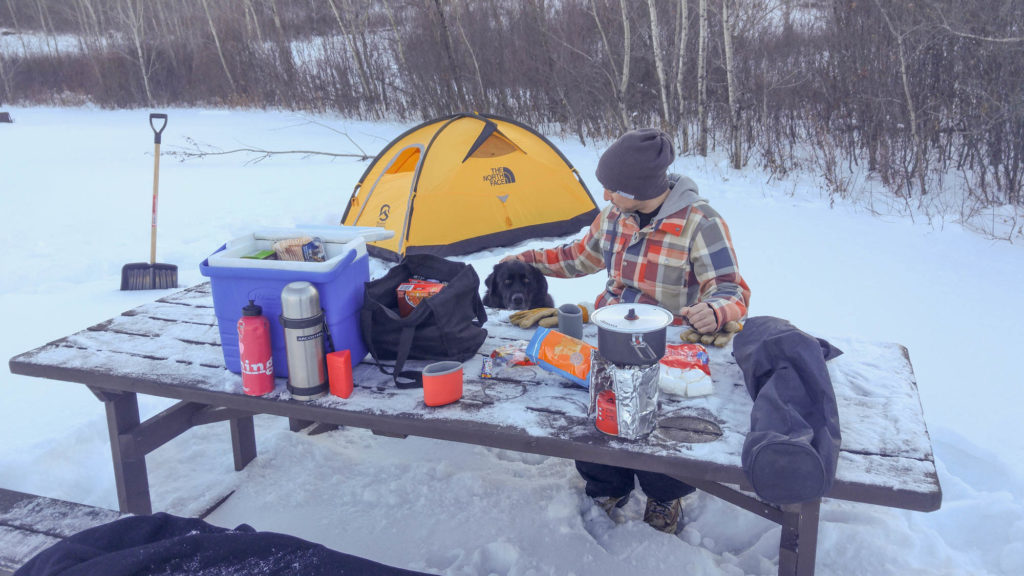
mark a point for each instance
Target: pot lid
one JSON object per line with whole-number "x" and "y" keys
{"x": 631, "y": 318}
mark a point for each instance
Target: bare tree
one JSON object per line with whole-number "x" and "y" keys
{"x": 469, "y": 48}
{"x": 619, "y": 82}
{"x": 683, "y": 26}
{"x": 131, "y": 14}
{"x": 735, "y": 151}
{"x": 918, "y": 166}
{"x": 220, "y": 51}
{"x": 659, "y": 65}
{"x": 702, "y": 79}
{"x": 444, "y": 38}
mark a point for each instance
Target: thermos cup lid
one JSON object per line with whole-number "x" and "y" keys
{"x": 300, "y": 300}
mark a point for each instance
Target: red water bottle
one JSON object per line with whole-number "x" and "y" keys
{"x": 255, "y": 352}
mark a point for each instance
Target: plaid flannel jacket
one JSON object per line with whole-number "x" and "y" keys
{"x": 677, "y": 260}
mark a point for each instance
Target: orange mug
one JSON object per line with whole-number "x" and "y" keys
{"x": 442, "y": 383}
{"x": 339, "y": 373}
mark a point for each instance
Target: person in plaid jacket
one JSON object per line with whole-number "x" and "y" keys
{"x": 662, "y": 244}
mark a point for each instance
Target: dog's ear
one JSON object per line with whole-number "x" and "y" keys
{"x": 492, "y": 298}
{"x": 540, "y": 289}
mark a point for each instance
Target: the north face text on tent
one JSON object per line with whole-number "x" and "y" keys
{"x": 468, "y": 182}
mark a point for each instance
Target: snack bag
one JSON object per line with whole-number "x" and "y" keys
{"x": 414, "y": 291}
{"x": 301, "y": 249}
{"x": 685, "y": 370}
{"x": 561, "y": 354}
{"x": 513, "y": 354}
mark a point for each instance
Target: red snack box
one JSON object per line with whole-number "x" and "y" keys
{"x": 411, "y": 293}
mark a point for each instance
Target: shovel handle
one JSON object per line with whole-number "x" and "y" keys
{"x": 156, "y": 178}
{"x": 157, "y": 131}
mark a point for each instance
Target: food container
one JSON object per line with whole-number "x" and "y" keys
{"x": 631, "y": 334}
{"x": 235, "y": 279}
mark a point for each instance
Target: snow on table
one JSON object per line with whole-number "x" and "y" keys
{"x": 171, "y": 348}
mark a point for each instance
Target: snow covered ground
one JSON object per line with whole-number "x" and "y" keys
{"x": 75, "y": 192}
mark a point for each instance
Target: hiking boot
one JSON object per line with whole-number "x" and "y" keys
{"x": 610, "y": 503}
{"x": 664, "y": 516}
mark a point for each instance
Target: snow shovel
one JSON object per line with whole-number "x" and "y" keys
{"x": 151, "y": 275}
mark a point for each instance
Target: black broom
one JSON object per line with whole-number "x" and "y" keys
{"x": 151, "y": 275}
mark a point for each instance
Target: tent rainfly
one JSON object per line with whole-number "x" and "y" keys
{"x": 467, "y": 182}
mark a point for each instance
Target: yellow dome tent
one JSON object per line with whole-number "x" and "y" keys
{"x": 468, "y": 182}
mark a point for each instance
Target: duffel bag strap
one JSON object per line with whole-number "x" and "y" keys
{"x": 411, "y": 378}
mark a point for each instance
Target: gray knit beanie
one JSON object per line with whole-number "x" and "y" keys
{"x": 636, "y": 164}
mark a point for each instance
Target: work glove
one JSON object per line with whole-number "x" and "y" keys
{"x": 717, "y": 339}
{"x": 546, "y": 317}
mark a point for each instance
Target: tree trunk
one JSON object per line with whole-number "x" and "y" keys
{"x": 250, "y": 12}
{"x": 702, "y": 80}
{"x": 624, "y": 84}
{"x": 220, "y": 52}
{"x": 469, "y": 48}
{"x": 659, "y": 65}
{"x": 135, "y": 22}
{"x": 444, "y": 36}
{"x": 919, "y": 151}
{"x": 617, "y": 88}
{"x": 684, "y": 127}
{"x": 735, "y": 151}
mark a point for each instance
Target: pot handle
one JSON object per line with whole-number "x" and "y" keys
{"x": 642, "y": 348}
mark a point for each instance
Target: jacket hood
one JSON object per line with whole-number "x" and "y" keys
{"x": 682, "y": 193}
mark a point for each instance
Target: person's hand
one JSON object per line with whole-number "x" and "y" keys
{"x": 701, "y": 317}
{"x": 509, "y": 257}
{"x": 719, "y": 339}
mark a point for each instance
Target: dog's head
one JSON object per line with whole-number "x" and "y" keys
{"x": 515, "y": 285}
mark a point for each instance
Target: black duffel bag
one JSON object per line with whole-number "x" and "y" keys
{"x": 445, "y": 326}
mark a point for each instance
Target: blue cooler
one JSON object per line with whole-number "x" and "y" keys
{"x": 339, "y": 280}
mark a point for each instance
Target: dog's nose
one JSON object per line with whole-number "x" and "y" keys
{"x": 518, "y": 301}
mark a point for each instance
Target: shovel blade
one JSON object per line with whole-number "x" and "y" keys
{"x": 146, "y": 276}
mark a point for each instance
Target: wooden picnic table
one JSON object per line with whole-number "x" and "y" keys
{"x": 171, "y": 348}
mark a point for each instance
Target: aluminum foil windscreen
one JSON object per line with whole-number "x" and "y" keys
{"x": 636, "y": 395}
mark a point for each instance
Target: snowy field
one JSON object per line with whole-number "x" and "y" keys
{"x": 76, "y": 185}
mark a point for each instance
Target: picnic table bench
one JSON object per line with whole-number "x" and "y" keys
{"x": 171, "y": 348}
{"x": 30, "y": 524}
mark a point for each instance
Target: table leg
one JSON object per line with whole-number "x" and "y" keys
{"x": 130, "y": 473}
{"x": 798, "y": 544}
{"x": 296, "y": 424}
{"x": 243, "y": 441}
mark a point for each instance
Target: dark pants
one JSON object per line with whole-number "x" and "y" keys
{"x": 603, "y": 480}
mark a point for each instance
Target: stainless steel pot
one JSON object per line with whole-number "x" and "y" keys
{"x": 631, "y": 334}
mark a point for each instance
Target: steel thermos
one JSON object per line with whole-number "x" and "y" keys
{"x": 303, "y": 323}
{"x": 255, "y": 352}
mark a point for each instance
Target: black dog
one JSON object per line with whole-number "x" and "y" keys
{"x": 515, "y": 285}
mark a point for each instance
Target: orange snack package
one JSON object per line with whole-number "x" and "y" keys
{"x": 411, "y": 293}
{"x": 561, "y": 354}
